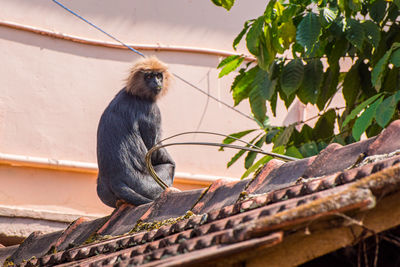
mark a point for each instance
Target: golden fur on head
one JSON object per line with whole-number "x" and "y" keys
{"x": 135, "y": 82}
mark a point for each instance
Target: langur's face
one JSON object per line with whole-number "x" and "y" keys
{"x": 154, "y": 81}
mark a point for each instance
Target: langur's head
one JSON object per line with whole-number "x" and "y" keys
{"x": 149, "y": 78}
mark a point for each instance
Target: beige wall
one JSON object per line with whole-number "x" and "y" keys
{"x": 53, "y": 91}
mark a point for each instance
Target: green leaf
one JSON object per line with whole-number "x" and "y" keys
{"x": 355, "y": 5}
{"x": 313, "y": 73}
{"x": 354, "y": 113}
{"x": 303, "y": 136}
{"x": 242, "y": 87}
{"x": 341, "y": 5}
{"x": 365, "y": 120}
{"x": 263, "y": 124}
{"x": 355, "y": 33}
{"x": 273, "y": 33}
{"x": 321, "y": 145}
{"x": 276, "y": 68}
{"x": 229, "y": 140}
{"x": 251, "y": 156}
{"x": 241, "y": 152}
{"x": 273, "y": 11}
{"x": 288, "y": 100}
{"x": 309, "y": 149}
{"x": 278, "y": 9}
{"x": 395, "y": 58}
{"x": 273, "y": 102}
{"x": 372, "y": 33}
{"x": 328, "y": 15}
{"x": 339, "y": 50}
{"x": 373, "y": 130}
{"x": 279, "y": 150}
{"x": 264, "y": 85}
{"x": 229, "y": 64}
{"x": 228, "y": 60}
{"x": 395, "y": 46}
{"x": 292, "y": 76}
{"x": 365, "y": 79}
{"x": 393, "y": 12}
{"x": 256, "y": 165}
{"x": 271, "y": 135}
{"x": 287, "y": 33}
{"x": 377, "y": 10}
{"x": 339, "y": 139}
{"x": 329, "y": 86}
{"x": 391, "y": 83}
{"x": 284, "y": 137}
{"x": 269, "y": 12}
{"x": 289, "y": 12}
{"x": 324, "y": 127}
{"x": 235, "y": 158}
{"x": 337, "y": 27}
{"x": 379, "y": 70}
{"x": 292, "y": 151}
{"x": 217, "y": 2}
{"x": 266, "y": 53}
{"x": 241, "y": 34}
{"x": 308, "y": 32}
{"x": 227, "y": 4}
{"x": 397, "y": 2}
{"x": 351, "y": 85}
{"x": 241, "y": 75}
{"x": 386, "y": 109}
{"x": 254, "y": 34}
{"x": 258, "y": 104}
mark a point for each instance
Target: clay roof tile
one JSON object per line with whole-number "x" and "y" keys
{"x": 229, "y": 218}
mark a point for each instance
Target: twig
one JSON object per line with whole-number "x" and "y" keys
{"x": 351, "y": 220}
{"x": 391, "y": 240}
{"x": 376, "y": 250}
{"x": 316, "y": 116}
{"x": 364, "y": 249}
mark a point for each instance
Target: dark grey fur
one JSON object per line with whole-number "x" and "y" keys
{"x": 128, "y": 128}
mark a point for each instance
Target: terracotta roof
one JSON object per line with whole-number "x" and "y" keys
{"x": 275, "y": 213}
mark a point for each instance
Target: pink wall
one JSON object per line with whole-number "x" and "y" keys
{"x": 54, "y": 91}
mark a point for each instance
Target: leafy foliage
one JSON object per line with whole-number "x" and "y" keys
{"x": 298, "y": 46}
{"x": 292, "y": 76}
{"x": 308, "y": 32}
{"x": 227, "y": 4}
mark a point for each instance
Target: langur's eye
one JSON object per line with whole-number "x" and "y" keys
{"x": 159, "y": 75}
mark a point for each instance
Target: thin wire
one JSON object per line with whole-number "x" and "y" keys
{"x": 141, "y": 54}
{"x": 206, "y": 105}
{"x": 98, "y": 28}
{"x": 272, "y": 154}
{"x": 212, "y": 97}
{"x": 159, "y": 145}
{"x": 211, "y": 133}
{"x": 165, "y": 186}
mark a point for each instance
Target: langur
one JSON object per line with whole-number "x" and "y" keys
{"x": 128, "y": 128}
